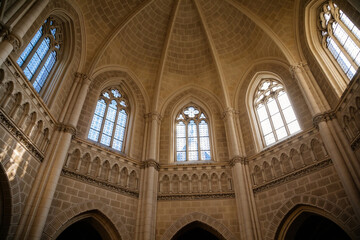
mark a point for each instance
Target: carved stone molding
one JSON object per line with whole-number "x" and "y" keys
{"x": 66, "y": 128}
{"x": 238, "y": 159}
{"x": 229, "y": 112}
{"x": 293, "y": 175}
{"x": 153, "y": 116}
{"x": 8, "y": 124}
{"x": 150, "y": 163}
{"x": 14, "y": 40}
{"x": 355, "y": 145}
{"x": 80, "y": 75}
{"x": 99, "y": 183}
{"x": 195, "y": 196}
{"x": 323, "y": 117}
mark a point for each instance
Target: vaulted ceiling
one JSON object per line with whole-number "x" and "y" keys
{"x": 173, "y": 44}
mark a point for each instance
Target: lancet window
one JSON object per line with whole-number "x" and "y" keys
{"x": 192, "y": 135}
{"x": 341, "y": 38}
{"x": 42, "y": 53}
{"x": 274, "y": 113}
{"x": 110, "y": 119}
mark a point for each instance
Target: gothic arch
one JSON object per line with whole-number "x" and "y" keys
{"x": 325, "y": 207}
{"x": 77, "y": 212}
{"x": 200, "y": 217}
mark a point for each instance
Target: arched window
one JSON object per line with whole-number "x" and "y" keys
{"x": 192, "y": 135}
{"x": 274, "y": 112}
{"x": 42, "y": 53}
{"x": 340, "y": 37}
{"x": 110, "y": 119}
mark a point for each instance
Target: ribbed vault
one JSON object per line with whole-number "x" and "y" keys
{"x": 172, "y": 44}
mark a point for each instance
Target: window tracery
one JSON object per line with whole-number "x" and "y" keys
{"x": 110, "y": 119}
{"x": 274, "y": 113}
{"x": 42, "y": 53}
{"x": 192, "y": 135}
{"x": 341, "y": 37}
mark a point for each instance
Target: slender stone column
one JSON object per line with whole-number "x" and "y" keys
{"x": 41, "y": 196}
{"x": 12, "y": 39}
{"x": 244, "y": 203}
{"x": 341, "y": 162}
{"x": 146, "y": 221}
{"x": 318, "y": 104}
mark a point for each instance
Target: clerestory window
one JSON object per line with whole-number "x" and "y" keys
{"x": 41, "y": 54}
{"x": 110, "y": 120}
{"x": 274, "y": 113}
{"x": 192, "y": 135}
{"x": 341, "y": 38}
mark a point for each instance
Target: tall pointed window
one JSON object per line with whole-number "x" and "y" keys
{"x": 274, "y": 112}
{"x": 341, "y": 37}
{"x": 110, "y": 119}
{"x": 192, "y": 135}
{"x": 42, "y": 53}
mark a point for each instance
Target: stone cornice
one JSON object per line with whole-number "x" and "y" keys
{"x": 238, "y": 159}
{"x": 99, "y": 183}
{"x": 150, "y": 163}
{"x": 66, "y": 128}
{"x": 323, "y": 117}
{"x": 294, "y": 175}
{"x": 195, "y": 196}
{"x": 17, "y": 133}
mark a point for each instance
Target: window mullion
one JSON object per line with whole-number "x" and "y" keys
{"x": 114, "y": 128}
{"x": 198, "y": 140}
{"x": 104, "y": 120}
{"x": 343, "y": 50}
{"x": 347, "y": 30}
{"x": 42, "y": 63}
{"x": 32, "y": 52}
{"x": 259, "y": 124}
{"x": 187, "y": 143}
{"x": 271, "y": 122}
{"x": 282, "y": 116}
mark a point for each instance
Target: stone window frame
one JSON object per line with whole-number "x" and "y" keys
{"x": 259, "y": 140}
{"x": 56, "y": 46}
{"x": 332, "y": 18}
{"x": 120, "y": 107}
{"x": 335, "y": 75}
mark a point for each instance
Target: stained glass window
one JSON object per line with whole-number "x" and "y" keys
{"x": 42, "y": 52}
{"x": 192, "y": 135}
{"x": 108, "y": 126}
{"x": 341, "y": 37}
{"x": 274, "y": 112}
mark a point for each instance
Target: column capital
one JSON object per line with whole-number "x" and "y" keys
{"x": 14, "y": 40}
{"x": 238, "y": 159}
{"x": 229, "y": 112}
{"x": 150, "y": 163}
{"x": 66, "y": 128}
{"x": 301, "y": 66}
{"x": 79, "y": 75}
{"x": 153, "y": 116}
{"x": 323, "y": 117}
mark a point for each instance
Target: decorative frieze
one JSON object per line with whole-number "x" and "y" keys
{"x": 293, "y": 175}
{"x": 100, "y": 183}
{"x": 195, "y": 196}
{"x": 150, "y": 163}
{"x": 9, "y": 125}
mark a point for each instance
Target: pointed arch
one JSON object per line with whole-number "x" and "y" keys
{"x": 199, "y": 217}
{"x": 105, "y": 215}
